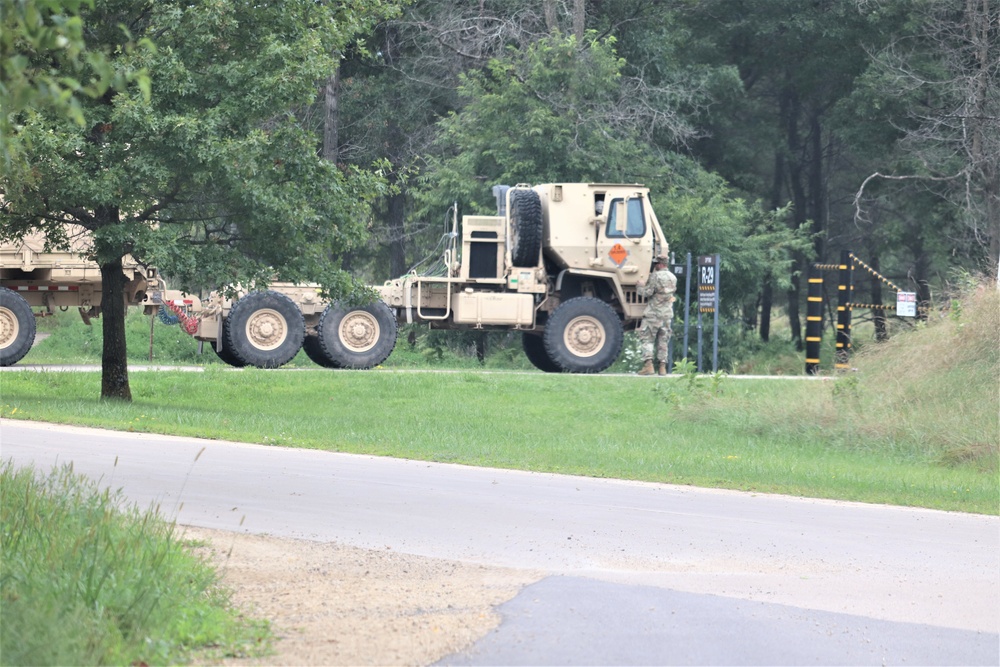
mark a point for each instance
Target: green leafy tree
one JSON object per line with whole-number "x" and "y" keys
{"x": 557, "y": 112}
{"x": 45, "y": 62}
{"x": 212, "y": 178}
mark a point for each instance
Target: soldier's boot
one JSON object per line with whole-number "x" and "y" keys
{"x": 647, "y": 368}
{"x": 663, "y": 368}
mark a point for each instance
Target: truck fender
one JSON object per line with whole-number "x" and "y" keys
{"x": 603, "y": 275}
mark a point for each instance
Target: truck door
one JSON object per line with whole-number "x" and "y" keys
{"x": 627, "y": 239}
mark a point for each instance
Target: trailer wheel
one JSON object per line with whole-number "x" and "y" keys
{"x": 525, "y": 227}
{"x": 313, "y": 350}
{"x": 17, "y": 327}
{"x": 357, "y": 337}
{"x": 534, "y": 350}
{"x": 583, "y": 335}
{"x": 264, "y": 329}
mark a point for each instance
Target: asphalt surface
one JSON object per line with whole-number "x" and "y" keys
{"x": 634, "y": 573}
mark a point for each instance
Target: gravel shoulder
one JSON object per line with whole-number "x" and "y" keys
{"x": 330, "y": 604}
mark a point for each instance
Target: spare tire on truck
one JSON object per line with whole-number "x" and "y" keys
{"x": 583, "y": 335}
{"x": 525, "y": 227}
{"x": 357, "y": 336}
{"x": 264, "y": 329}
{"x": 17, "y": 327}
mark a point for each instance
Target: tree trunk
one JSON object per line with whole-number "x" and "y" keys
{"x": 800, "y": 207}
{"x": 579, "y": 20}
{"x": 817, "y": 194}
{"x": 114, "y": 357}
{"x": 395, "y": 215}
{"x": 551, "y": 22}
{"x": 331, "y": 117}
{"x": 481, "y": 342}
{"x": 766, "y": 300}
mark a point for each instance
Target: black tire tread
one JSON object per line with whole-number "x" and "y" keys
{"x": 565, "y": 313}
{"x": 534, "y": 350}
{"x": 241, "y": 348}
{"x": 314, "y": 350}
{"x": 526, "y": 227}
{"x": 341, "y": 357}
{"x": 15, "y": 303}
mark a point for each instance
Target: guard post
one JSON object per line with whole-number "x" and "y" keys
{"x": 845, "y": 295}
{"x": 814, "y": 319}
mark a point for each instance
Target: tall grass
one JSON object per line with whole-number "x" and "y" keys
{"x": 87, "y": 580}
{"x": 933, "y": 392}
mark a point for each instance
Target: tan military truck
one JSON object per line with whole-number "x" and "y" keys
{"x": 265, "y": 329}
{"x": 560, "y": 263}
{"x": 32, "y": 276}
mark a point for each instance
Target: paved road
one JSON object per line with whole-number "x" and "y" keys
{"x": 638, "y": 573}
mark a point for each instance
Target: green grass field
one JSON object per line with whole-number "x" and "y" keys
{"x": 915, "y": 424}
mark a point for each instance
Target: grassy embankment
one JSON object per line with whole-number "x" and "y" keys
{"x": 917, "y": 424}
{"x": 87, "y": 580}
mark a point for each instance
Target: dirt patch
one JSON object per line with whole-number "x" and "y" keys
{"x": 336, "y": 605}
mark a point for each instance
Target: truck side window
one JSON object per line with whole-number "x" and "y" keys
{"x": 636, "y": 222}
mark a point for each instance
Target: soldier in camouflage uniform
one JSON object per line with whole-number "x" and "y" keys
{"x": 655, "y": 329}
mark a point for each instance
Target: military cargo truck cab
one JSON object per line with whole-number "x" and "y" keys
{"x": 560, "y": 262}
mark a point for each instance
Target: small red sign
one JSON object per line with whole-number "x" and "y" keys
{"x": 618, "y": 254}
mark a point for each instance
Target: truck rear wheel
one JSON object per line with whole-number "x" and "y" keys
{"x": 17, "y": 327}
{"x": 357, "y": 337}
{"x": 314, "y": 351}
{"x": 583, "y": 335}
{"x": 264, "y": 329}
{"x": 534, "y": 350}
{"x": 525, "y": 227}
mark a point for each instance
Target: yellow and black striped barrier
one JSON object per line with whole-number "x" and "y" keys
{"x": 875, "y": 273}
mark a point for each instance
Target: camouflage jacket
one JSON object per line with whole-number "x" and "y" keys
{"x": 659, "y": 292}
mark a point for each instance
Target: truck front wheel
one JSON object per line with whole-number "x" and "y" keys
{"x": 583, "y": 335}
{"x": 17, "y": 327}
{"x": 264, "y": 329}
{"x": 357, "y": 337}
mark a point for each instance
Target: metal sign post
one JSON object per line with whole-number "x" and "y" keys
{"x": 708, "y": 302}
{"x": 680, "y": 271}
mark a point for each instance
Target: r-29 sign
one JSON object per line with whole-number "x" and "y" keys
{"x": 707, "y": 281}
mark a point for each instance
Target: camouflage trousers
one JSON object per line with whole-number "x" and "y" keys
{"x": 654, "y": 333}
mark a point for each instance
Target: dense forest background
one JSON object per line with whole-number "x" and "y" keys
{"x": 866, "y": 125}
{"x": 773, "y": 132}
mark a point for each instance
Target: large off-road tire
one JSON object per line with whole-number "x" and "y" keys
{"x": 311, "y": 346}
{"x": 225, "y": 355}
{"x": 264, "y": 329}
{"x": 583, "y": 335}
{"x": 534, "y": 350}
{"x": 17, "y": 327}
{"x": 525, "y": 227}
{"x": 358, "y": 336}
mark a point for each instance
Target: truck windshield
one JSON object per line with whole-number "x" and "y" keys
{"x": 635, "y": 226}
